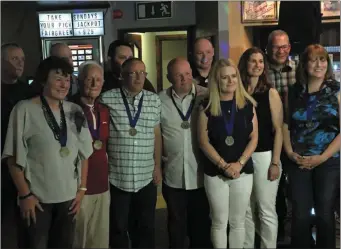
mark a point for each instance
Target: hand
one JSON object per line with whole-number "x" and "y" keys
{"x": 310, "y": 162}
{"x": 273, "y": 172}
{"x": 76, "y": 204}
{"x": 295, "y": 157}
{"x": 28, "y": 209}
{"x": 157, "y": 176}
{"x": 233, "y": 169}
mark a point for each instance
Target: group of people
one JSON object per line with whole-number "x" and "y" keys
{"x": 86, "y": 162}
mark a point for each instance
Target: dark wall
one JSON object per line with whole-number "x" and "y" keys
{"x": 19, "y": 23}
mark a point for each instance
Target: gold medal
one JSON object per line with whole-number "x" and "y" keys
{"x": 64, "y": 151}
{"x": 132, "y": 132}
{"x": 98, "y": 144}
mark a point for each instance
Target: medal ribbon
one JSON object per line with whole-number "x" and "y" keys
{"x": 311, "y": 104}
{"x": 229, "y": 123}
{"x": 189, "y": 111}
{"x": 132, "y": 121}
{"x": 59, "y": 132}
{"x": 95, "y": 133}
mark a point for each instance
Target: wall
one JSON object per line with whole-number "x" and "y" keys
{"x": 149, "y": 52}
{"x": 170, "y": 50}
{"x": 19, "y": 23}
{"x": 240, "y": 38}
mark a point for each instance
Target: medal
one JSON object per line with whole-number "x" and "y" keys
{"x": 98, "y": 144}
{"x": 132, "y": 121}
{"x": 185, "y": 125}
{"x": 229, "y": 141}
{"x": 59, "y": 131}
{"x": 229, "y": 123}
{"x": 309, "y": 124}
{"x": 132, "y": 132}
{"x": 64, "y": 151}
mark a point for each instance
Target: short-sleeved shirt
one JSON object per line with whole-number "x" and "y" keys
{"x": 131, "y": 158}
{"x": 217, "y": 134}
{"x": 30, "y": 140}
{"x": 325, "y": 117}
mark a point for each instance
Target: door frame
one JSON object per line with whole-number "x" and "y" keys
{"x": 158, "y": 49}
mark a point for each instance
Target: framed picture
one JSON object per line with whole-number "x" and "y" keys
{"x": 259, "y": 11}
{"x": 330, "y": 9}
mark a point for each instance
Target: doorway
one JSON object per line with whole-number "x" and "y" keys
{"x": 157, "y": 46}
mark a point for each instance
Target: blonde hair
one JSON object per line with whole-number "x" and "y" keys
{"x": 241, "y": 94}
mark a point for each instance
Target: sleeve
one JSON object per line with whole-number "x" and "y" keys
{"x": 157, "y": 119}
{"x": 85, "y": 149}
{"x": 15, "y": 143}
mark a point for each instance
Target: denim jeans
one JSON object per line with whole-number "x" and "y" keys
{"x": 314, "y": 188}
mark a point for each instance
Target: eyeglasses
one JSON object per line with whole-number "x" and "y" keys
{"x": 134, "y": 74}
{"x": 283, "y": 47}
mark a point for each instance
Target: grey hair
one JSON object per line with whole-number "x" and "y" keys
{"x": 277, "y": 32}
{"x": 84, "y": 68}
{"x": 6, "y": 46}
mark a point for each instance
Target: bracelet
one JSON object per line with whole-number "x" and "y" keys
{"x": 275, "y": 164}
{"x": 82, "y": 189}
{"x": 220, "y": 162}
{"x": 25, "y": 196}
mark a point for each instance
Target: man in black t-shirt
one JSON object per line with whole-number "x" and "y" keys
{"x": 12, "y": 91}
{"x": 119, "y": 51}
{"x": 203, "y": 57}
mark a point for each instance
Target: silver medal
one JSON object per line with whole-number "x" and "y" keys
{"x": 229, "y": 141}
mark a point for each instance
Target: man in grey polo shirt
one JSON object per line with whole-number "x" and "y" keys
{"x": 134, "y": 151}
{"x": 183, "y": 188}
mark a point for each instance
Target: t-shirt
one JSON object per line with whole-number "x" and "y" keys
{"x": 29, "y": 138}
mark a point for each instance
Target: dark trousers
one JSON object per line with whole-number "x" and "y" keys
{"x": 188, "y": 214}
{"x": 54, "y": 227}
{"x": 314, "y": 188}
{"x": 132, "y": 217}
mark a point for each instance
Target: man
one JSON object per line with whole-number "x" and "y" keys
{"x": 134, "y": 151}
{"x": 281, "y": 73}
{"x": 92, "y": 221}
{"x": 203, "y": 59}
{"x": 118, "y": 52}
{"x": 183, "y": 187}
{"x": 62, "y": 50}
{"x": 12, "y": 91}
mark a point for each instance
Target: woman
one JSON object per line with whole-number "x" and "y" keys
{"x": 266, "y": 158}
{"x": 312, "y": 141}
{"x": 228, "y": 134}
{"x": 45, "y": 140}
{"x": 92, "y": 221}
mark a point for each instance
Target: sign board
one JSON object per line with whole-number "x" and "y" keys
{"x": 88, "y": 23}
{"x": 55, "y": 25}
{"x": 154, "y": 10}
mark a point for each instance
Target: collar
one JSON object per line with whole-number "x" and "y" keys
{"x": 129, "y": 96}
{"x": 289, "y": 65}
{"x": 192, "y": 92}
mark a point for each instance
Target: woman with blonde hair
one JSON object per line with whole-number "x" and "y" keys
{"x": 228, "y": 135}
{"x": 311, "y": 135}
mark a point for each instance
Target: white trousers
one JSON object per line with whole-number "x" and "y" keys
{"x": 92, "y": 222}
{"x": 261, "y": 215}
{"x": 229, "y": 200}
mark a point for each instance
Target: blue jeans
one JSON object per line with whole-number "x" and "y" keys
{"x": 314, "y": 188}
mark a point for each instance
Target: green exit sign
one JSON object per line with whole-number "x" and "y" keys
{"x": 154, "y": 10}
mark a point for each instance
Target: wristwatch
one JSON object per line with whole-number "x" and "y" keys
{"x": 242, "y": 160}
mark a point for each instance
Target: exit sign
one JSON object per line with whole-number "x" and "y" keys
{"x": 154, "y": 10}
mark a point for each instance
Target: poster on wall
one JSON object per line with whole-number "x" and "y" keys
{"x": 330, "y": 9}
{"x": 259, "y": 11}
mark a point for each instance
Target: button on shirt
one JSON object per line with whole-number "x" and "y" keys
{"x": 131, "y": 158}
{"x": 181, "y": 149}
